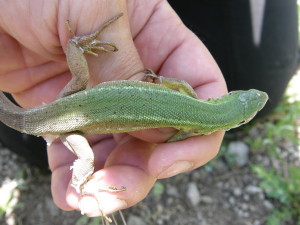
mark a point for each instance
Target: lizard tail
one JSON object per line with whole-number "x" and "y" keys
{"x": 10, "y": 114}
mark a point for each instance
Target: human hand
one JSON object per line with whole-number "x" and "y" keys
{"x": 33, "y": 68}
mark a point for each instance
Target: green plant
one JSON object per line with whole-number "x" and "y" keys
{"x": 285, "y": 189}
{"x": 9, "y": 192}
{"x": 85, "y": 220}
{"x": 158, "y": 189}
{"x": 281, "y": 184}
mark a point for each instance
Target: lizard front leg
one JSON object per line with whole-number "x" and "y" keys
{"x": 77, "y": 46}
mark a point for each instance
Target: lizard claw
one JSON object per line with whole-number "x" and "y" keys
{"x": 96, "y": 45}
{"x": 92, "y": 188}
{"x": 88, "y": 43}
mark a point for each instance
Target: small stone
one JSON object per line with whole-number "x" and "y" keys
{"x": 251, "y": 189}
{"x": 221, "y": 166}
{"x": 268, "y": 205}
{"x": 201, "y": 218}
{"x": 159, "y": 208}
{"x": 246, "y": 215}
{"x": 246, "y": 197}
{"x": 244, "y": 206}
{"x": 237, "y": 191}
{"x": 257, "y": 222}
{"x": 207, "y": 199}
{"x": 159, "y": 221}
{"x": 220, "y": 185}
{"x": 252, "y": 208}
{"x": 193, "y": 193}
{"x": 226, "y": 205}
{"x": 266, "y": 162}
{"x": 170, "y": 201}
{"x": 261, "y": 196}
{"x": 232, "y": 200}
{"x": 226, "y": 185}
{"x": 135, "y": 220}
{"x": 240, "y": 213}
{"x": 240, "y": 151}
{"x": 172, "y": 191}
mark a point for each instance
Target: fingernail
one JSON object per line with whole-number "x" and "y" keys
{"x": 176, "y": 168}
{"x": 107, "y": 204}
{"x": 116, "y": 204}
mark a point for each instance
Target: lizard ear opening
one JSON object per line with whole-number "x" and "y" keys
{"x": 242, "y": 122}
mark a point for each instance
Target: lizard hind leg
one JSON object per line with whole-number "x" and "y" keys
{"x": 173, "y": 83}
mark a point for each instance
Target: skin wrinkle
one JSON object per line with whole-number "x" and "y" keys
{"x": 169, "y": 55}
{"x": 63, "y": 39}
{"x": 33, "y": 92}
{"x": 45, "y": 71}
{"x": 42, "y": 27}
{"x": 54, "y": 14}
{"x": 178, "y": 45}
{"x": 145, "y": 24}
{"x": 161, "y": 58}
{"x": 8, "y": 46}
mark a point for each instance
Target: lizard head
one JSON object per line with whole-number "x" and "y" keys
{"x": 253, "y": 101}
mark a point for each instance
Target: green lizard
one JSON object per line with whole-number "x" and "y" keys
{"x": 124, "y": 106}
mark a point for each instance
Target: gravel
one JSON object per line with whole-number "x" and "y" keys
{"x": 216, "y": 194}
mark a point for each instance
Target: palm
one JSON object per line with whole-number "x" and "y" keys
{"x": 161, "y": 42}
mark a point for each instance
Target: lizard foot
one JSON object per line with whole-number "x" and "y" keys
{"x": 150, "y": 76}
{"x": 173, "y": 83}
{"x": 88, "y": 43}
{"x": 92, "y": 188}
